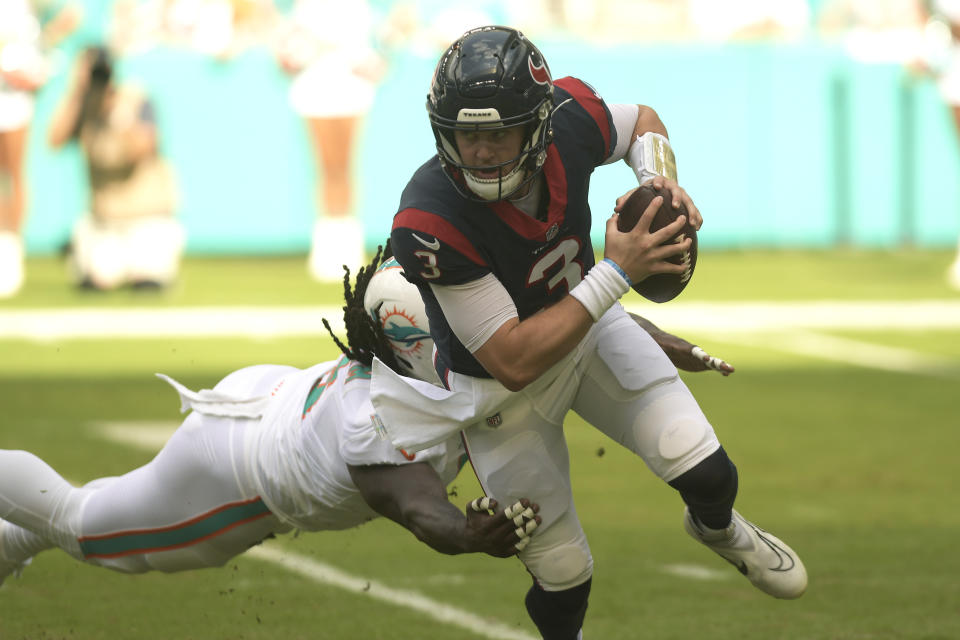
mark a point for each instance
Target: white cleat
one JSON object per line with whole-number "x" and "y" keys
{"x": 764, "y": 559}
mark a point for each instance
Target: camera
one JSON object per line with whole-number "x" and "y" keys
{"x": 101, "y": 68}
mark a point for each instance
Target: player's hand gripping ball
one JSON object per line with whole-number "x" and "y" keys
{"x": 661, "y": 287}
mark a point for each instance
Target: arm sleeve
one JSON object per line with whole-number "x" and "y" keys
{"x": 624, "y": 122}
{"x": 363, "y": 441}
{"x": 476, "y": 309}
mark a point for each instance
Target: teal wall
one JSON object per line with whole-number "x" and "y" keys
{"x": 780, "y": 145}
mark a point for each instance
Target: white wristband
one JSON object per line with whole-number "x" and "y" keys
{"x": 650, "y": 155}
{"x": 602, "y": 286}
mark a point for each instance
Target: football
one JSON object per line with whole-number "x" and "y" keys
{"x": 660, "y": 287}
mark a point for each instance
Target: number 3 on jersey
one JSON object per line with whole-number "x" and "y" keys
{"x": 429, "y": 260}
{"x": 564, "y": 254}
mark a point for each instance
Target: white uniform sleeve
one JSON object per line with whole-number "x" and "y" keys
{"x": 364, "y": 442}
{"x": 475, "y": 309}
{"x": 624, "y": 121}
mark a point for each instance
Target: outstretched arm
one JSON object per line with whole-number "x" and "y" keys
{"x": 684, "y": 355}
{"x": 414, "y": 496}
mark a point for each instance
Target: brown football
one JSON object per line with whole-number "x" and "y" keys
{"x": 660, "y": 287}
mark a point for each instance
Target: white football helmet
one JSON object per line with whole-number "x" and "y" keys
{"x": 397, "y": 305}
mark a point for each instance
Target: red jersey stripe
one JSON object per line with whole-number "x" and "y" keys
{"x": 589, "y": 100}
{"x": 436, "y": 226}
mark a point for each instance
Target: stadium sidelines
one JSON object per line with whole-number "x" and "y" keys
{"x": 266, "y": 322}
{"x": 790, "y": 327}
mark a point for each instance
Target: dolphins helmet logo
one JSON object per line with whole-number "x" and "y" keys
{"x": 401, "y": 329}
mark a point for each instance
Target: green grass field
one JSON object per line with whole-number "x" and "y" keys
{"x": 852, "y": 460}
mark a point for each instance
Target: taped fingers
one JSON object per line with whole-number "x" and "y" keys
{"x": 526, "y": 515}
{"x": 481, "y": 504}
{"x": 513, "y": 510}
{"x": 710, "y": 361}
{"x": 525, "y": 530}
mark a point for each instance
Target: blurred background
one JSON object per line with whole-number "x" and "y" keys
{"x": 223, "y": 144}
{"x": 796, "y": 123}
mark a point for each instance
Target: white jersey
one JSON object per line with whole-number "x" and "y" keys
{"x": 320, "y": 420}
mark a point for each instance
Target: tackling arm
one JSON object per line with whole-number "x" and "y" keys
{"x": 414, "y": 496}
{"x": 684, "y": 355}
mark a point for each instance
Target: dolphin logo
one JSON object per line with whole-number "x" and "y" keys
{"x": 539, "y": 72}
{"x": 405, "y": 334}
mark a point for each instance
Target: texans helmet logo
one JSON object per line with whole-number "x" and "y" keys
{"x": 539, "y": 72}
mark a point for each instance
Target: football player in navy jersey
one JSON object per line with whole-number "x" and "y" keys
{"x": 495, "y": 232}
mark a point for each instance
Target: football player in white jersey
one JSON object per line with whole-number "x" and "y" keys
{"x": 272, "y": 448}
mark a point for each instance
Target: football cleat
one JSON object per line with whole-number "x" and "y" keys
{"x": 764, "y": 559}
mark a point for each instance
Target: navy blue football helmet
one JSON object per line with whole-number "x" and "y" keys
{"x": 492, "y": 77}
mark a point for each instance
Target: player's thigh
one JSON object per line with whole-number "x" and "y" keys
{"x": 187, "y": 508}
{"x": 190, "y": 506}
{"x": 193, "y": 472}
{"x": 629, "y": 393}
{"x": 526, "y": 457}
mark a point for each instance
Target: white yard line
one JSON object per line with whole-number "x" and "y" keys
{"x": 138, "y": 322}
{"x": 447, "y": 614}
{"x": 271, "y": 322}
{"x": 151, "y": 436}
{"x": 849, "y": 351}
{"x": 749, "y": 317}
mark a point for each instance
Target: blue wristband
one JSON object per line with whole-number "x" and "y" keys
{"x": 623, "y": 274}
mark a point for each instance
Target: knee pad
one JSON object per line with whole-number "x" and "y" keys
{"x": 562, "y": 567}
{"x": 559, "y": 558}
{"x": 671, "y": 432}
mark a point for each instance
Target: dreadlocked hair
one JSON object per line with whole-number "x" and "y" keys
{"x": 365, "y": 336}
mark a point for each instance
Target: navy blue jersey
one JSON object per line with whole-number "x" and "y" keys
{"x": 442, "y": 238}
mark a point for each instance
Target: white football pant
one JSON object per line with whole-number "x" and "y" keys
{"x": 192, "y": 506}
{"x": 621, "y": 382}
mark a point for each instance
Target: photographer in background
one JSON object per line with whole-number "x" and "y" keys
{"x": 130, "y": 235}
